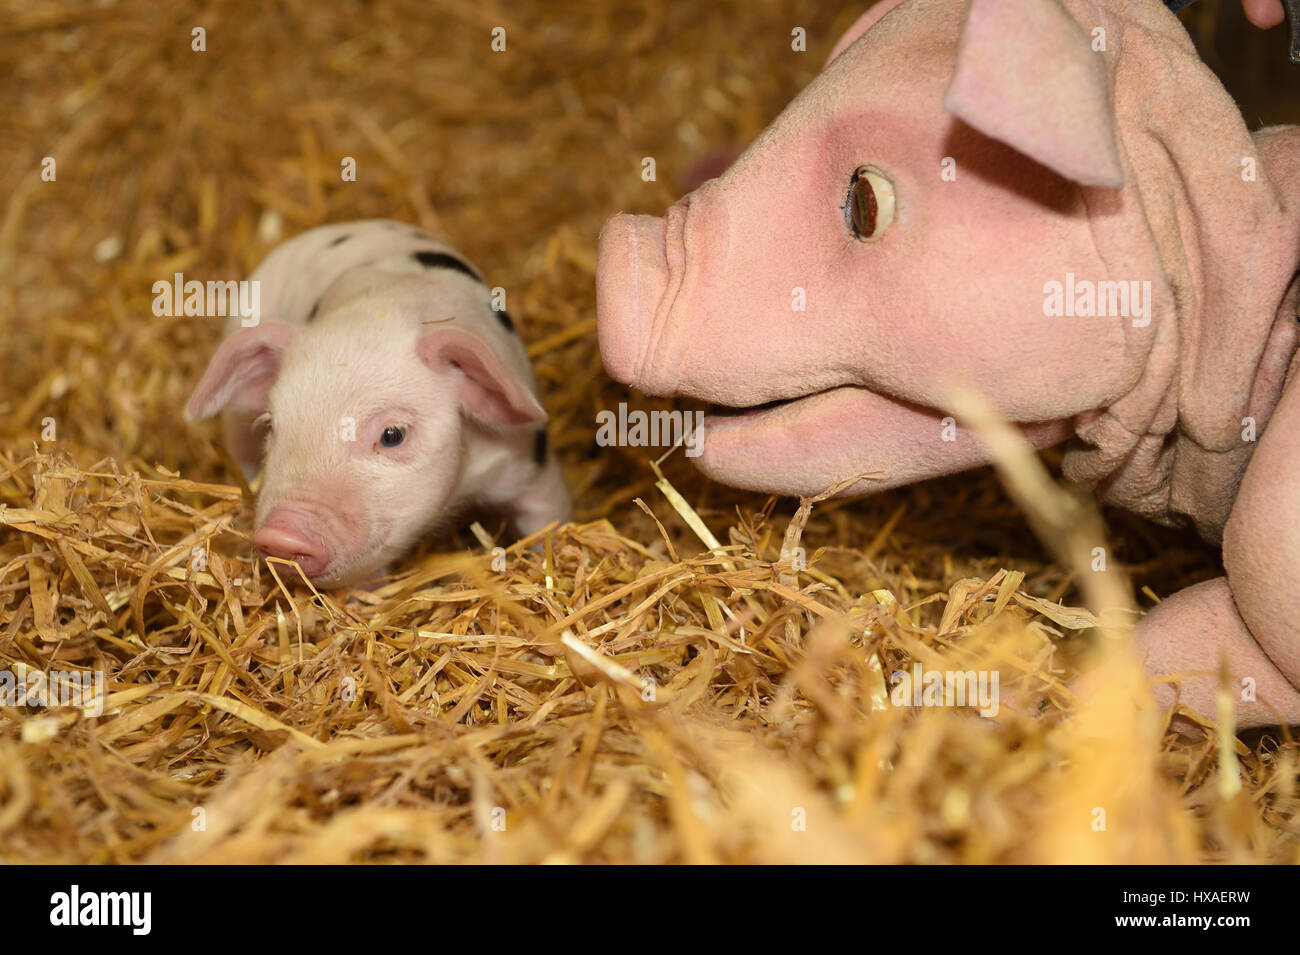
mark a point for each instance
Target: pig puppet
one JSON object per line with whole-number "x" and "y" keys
{"x": 378, "y": 393}
{"x": 947, "y": 199}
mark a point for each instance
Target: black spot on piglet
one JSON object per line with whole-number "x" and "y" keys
{"x": 341, "y": 239}
{"x": 312, "y": 313}
{"x": 540, "y": 442}
{"x": 504, "y": 318}
{"x": 441, "y": 260}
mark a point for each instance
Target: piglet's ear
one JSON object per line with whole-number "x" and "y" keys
{"x": 488, "y": 392}
{"x": 1027, "y": 75}
{"x": 242, "y": 371}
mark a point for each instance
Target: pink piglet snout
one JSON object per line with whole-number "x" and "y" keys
{"x": 288, "y": 534}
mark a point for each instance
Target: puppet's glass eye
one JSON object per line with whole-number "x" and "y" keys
{"x": 870, "y": 206}
{"x": 392, "y": 436}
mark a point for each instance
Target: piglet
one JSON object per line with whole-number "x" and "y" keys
{"x": 379, "y": 392}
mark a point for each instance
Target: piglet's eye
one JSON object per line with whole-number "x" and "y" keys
{"x": 393, "y": 436}
{"x": 870, "y": 205}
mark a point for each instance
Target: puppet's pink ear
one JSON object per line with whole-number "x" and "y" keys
{"x": 488, "y": 392}
{"x": 1027, "y": 75}
{"x": 242, "y": 371}
{"x": 860, "y": 26}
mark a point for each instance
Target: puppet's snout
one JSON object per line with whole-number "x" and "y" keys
{"x": 288, "y": 535}
{"x": 631, "y": 281}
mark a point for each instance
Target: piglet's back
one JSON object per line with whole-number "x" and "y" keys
{"x": 296, "y": 274}
{"x": 309, "y": 278}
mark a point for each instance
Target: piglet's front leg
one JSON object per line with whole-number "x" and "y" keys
{"x": 545, "y": 501}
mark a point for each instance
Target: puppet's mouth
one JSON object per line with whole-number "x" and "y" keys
{"x": 725, "y": 416}
{"x": 723, "y": 411}
{"x": 799, "y": 445}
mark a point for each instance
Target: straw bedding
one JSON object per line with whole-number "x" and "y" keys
{"x": 666, "y": 680}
